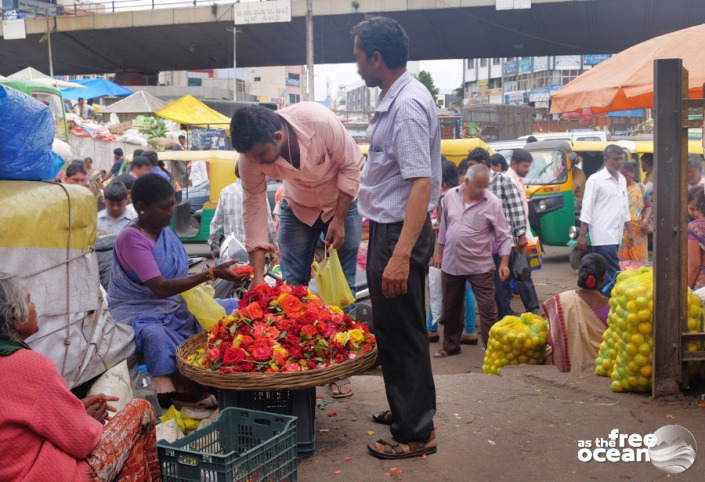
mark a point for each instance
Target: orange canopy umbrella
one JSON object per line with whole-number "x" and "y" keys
{"x": 626, "y": 81}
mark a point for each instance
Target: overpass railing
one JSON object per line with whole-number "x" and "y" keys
{"x": 10, "y": 9}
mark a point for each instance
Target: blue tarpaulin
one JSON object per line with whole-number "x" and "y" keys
{"x": 95, "y": 88}
{"x": 628, "y": 113}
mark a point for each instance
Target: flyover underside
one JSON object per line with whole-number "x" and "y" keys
{"x": 602, "y": 26}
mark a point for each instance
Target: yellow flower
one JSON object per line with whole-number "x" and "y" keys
{"x": 343, "y": 338}
{"x": 280, "y": 349}
{"x": 356, "y": 336}
{"x": 237, "y": 341}
{"x": 334, "y": 309}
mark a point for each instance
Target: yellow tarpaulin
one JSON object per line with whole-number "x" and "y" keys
{"x": 191, "y": 111}
{"x": 38, "y": 215}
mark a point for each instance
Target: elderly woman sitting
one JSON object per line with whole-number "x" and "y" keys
{"x": 46, "y": 433}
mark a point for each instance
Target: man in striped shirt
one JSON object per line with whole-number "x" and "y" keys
{"x": 399, "y": 187}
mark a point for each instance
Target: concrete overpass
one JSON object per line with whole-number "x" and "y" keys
{"x": 149, "y": 41}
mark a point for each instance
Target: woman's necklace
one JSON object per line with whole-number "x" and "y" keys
{"x": 146, "y": 233}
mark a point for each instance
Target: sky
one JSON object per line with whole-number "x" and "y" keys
{"x": 447, "y": 75}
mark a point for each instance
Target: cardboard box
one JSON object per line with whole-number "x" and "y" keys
{"x": 533, "y": 251}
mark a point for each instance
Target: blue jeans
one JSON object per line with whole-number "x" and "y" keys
{"x": 609, "y": 252}
{"x": 298, "y": 242}
{"x": 470, "y": 314}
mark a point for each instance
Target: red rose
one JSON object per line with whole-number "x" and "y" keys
{"x": 291, "y": 305}
{"x": 245, "y": 367}
{"x": 246, "y": 341}
{"x": 321, "y": 327}
{"x": 309, "y": 330}
{"x": 339, "y": 358}
{"x": 300, "y": 291}
{"x": 233, "y": 355}
{"x": 311, "y": 364}
{"x": 262, "y": 353}
{"x": 284, "y": 325}
{"x": 254, "y": 311}
{"x": 309, "y": 317}
{"x": 295, "y": 352}
{"x": 291, "y": 339}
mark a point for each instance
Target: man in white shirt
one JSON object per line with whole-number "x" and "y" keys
{"x": 605, "y": 210}
{"x": 199, "y": 173}
{"x": 118, "y": 214}
{"x": 228, "y": 217}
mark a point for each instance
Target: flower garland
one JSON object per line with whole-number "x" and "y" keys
{"x": 282, "y": 329}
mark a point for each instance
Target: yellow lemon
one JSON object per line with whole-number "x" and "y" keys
{"x": 641, "y": 360}
{"x": 631, "y": 349}
{"x": 616, "y": 386}
{"x": 645, "y": 349}
{"x": 632, "y": 307}
{"x": 644, "y": 315}
{"x": 645, "y": 328}
{"x": 645, "y": 371}
{"x": 692, "y": 324}
{"x": 633, "y": 319}
{"x": 637, "y": 339}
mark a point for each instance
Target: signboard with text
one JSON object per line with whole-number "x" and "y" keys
{"x": 539, "y": 95}
{"x": 525, "y": 66}
{"x": 540, "y": 64}
{"x": 510, "y": 67}
{"x": 594, "y": 59}
{"x": 274, "y": 11}
{"x": 567, "y": 62}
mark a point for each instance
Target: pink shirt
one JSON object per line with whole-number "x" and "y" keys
{"x": 45, "y": 432}
{"x": 331, "y": 163}
{"x": 468, "y": 230}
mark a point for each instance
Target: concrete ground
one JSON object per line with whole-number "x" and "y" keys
{"x": 521, "y": 426}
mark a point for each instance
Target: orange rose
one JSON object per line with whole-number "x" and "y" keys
{"x": 291, "y": 305}
{"x": 254, "y": 311}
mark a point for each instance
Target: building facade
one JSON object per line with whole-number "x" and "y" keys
{"x": 278, "y": 85}
{"x": 522, "y": 80}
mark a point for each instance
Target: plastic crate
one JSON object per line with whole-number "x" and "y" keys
{"x": 299, "y": 403}
{"x": 242, "y": 445}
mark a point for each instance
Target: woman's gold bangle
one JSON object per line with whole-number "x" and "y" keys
{"x": 211, "y": 274}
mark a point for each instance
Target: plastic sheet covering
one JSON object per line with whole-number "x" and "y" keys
{"x": 47, "y": 244}
{"x": 26, "y": 136}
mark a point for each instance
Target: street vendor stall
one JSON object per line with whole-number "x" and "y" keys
{"x": 207, "y": 128}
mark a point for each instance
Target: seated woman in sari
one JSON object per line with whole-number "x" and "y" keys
{"x": 150, "y": 270}
{"x": 578, "y": 318}
{"x": 46, "y": 433}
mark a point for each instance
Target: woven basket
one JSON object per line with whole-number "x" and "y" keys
{"x": 267, "y": 381}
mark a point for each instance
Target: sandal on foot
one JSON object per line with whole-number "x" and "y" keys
{"x": 393, "y": 451}
{"x": 385, "y": 418}
{"x": 434, "y": 337}
{"x": 444, "y": 353}
{"x": 336, "y": 389}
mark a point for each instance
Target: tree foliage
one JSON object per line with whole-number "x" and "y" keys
{"x": 426, "y": 79}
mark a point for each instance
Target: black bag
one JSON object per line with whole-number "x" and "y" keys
{"x": 521, "y": 269}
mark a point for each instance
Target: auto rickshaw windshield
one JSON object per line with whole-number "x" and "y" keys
{"x": 548, "y": 167}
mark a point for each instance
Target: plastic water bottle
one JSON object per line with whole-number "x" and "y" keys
{"x": 142, "y": 388}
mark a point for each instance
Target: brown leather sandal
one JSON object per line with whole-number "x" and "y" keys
{"x": 393, "y": 451}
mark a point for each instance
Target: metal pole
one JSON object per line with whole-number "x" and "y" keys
{"x": 309, "y": 48}
{"x": 670, "y": 293}
{"x": 234, "y": 63}
{"x": 51, "y": 60}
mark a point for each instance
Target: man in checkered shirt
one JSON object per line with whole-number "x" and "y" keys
{"x": 513, "y": 205}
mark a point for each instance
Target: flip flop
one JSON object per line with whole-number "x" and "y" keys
{"x": 384, "y": 418}
{"x": 338, "y": 385}
{"x": 393, "y": 451}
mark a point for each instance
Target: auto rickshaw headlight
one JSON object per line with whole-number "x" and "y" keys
{"x": 543, "y": 205}
{"x": 573, "y": 232}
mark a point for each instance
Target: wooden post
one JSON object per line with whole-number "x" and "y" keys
{"x": 670, "y": 253}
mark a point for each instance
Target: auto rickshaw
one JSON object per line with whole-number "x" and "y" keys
{"x": 193, "y": 225}
{"x": 454, "y": 150}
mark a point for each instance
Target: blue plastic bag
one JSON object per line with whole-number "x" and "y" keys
{"x": 26, "y": 137}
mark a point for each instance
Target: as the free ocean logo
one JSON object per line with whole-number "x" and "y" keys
{"x": 671, "y": 448}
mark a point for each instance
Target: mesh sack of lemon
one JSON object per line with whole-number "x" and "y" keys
{"x": 627, "y": 345}
{"x": 516, "y": 341}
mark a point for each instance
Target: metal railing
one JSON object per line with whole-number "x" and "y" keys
{"x": 32, "y": 9}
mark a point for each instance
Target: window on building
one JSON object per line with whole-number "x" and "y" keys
{"x": 483, "y": 62}
{"x": 294, "y": 98}
{"x": 257, "y": 79}
{"x": 294, "y": 76}
{"x": 471, "y": 64}
{"x": 496, "y": 61}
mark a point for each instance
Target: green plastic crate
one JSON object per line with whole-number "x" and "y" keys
{"x": 241, "y": 446}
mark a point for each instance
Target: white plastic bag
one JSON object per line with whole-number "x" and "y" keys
{"x": 116, "y": 383}
{"x": 435, "y": 289}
